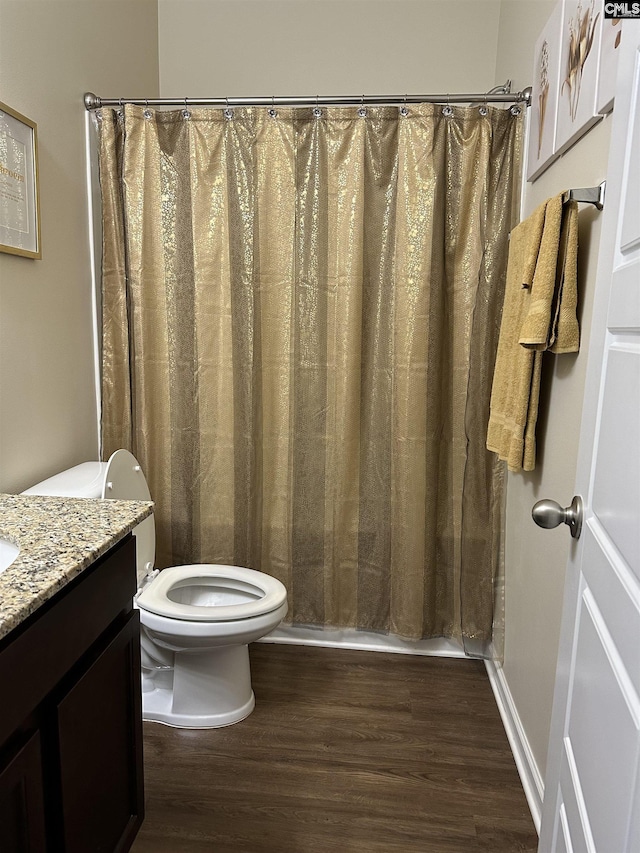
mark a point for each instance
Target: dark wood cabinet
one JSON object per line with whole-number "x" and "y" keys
{"x": 21, "y": 799}
{"x": 70, "y": 723}
{"x": 99, "y": 752}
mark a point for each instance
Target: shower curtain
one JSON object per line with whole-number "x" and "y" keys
{"x": 300, "y": 319}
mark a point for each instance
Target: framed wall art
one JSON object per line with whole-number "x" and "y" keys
{"x": 581, "y": 27}
{"x": 544, "y": 102}
{"x": 610, "y": 36}
{"x": 19, "y": 199}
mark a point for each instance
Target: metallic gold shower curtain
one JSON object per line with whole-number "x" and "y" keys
{"x": 300, "y": 319}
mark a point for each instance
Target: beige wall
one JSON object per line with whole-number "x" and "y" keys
{"x": 536, "y": 559}
{"x": 302, "y": 47}
{"x": 51, "y": 51}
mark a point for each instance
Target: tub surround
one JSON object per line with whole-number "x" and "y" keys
{"x": 58, "y": 538}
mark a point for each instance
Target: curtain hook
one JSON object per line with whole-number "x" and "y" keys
{"x": 483, "y": 110}
{"x": 228, "y": 113}
{"x": 185, "y": 111}
{"x": 447, "y": 112}
{"x": 273, "y": 112}
{"x": 317, "y": 111}
{"x": 147, "y": 111}
{"x": 362, "y": 112}
{"x": 120, "y": 108}
{"x": 404, "y": 109}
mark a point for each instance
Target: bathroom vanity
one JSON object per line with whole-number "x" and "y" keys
{"x": 71, "y": 775}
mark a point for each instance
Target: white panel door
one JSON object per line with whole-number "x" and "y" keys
{"x": 592, "y": 789}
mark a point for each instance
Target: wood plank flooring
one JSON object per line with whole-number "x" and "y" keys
{"x": 357, "y": 752}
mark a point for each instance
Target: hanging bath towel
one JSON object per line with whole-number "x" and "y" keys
{"x": 539, "y": 314}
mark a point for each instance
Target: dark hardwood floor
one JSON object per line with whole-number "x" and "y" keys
{"x": 357, "y": 752}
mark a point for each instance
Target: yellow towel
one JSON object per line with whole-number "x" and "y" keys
{"x": 539, "y": 313}
{"x": 517, "y": 369}
{"x": 551, "y": 316}
{"x": 567, "y": 331}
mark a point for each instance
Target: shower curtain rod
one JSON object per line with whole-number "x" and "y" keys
{"x": 500, "y": 94}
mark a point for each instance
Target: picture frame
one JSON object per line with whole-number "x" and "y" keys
{"x": 581, "y": 28}
{"x": 610, "y": 37}
{"x": 19, "y": 195}
{"x": 544, "y": 101}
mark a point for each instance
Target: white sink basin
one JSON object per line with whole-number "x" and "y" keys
{"x": 8, "y": 553}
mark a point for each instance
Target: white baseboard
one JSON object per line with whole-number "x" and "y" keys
{"x": 525, "y": 762}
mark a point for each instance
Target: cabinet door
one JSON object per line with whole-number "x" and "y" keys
{"x": 21, "y": 801}
{"x": 100, "y": 739}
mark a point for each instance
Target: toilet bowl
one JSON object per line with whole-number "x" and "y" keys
{"x": 196, "y": 624}
{"x": 196, "y": 621}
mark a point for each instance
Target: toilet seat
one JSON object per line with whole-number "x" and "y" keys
{"x": 261, "y": 593}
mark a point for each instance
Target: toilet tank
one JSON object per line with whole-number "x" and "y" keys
{"x": 121, "y": 478}
{"x": 82, "y": 481}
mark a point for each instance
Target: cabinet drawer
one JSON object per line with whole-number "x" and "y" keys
{"x": 39, "y": 653}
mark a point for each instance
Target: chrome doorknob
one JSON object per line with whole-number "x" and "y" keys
{"x": 550, "y": 514}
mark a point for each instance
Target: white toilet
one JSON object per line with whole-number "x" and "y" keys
{"x": 196, "y": 621}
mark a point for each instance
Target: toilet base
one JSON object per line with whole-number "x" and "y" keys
{"x": 205, "y": 690}
{"x": 156, "y": 708}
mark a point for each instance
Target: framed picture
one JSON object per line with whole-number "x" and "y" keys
{"x": 19, "y": 201}
{"x": 610, "y": 36}
{"x": 581, "y": 26}
{"x": 544, "y": 102}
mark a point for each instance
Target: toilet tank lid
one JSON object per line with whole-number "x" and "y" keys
{"x": 82, "y": 481}
{"x": 124, "y": 478}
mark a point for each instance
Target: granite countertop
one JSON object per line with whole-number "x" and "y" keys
{"x": 58, "y": 538}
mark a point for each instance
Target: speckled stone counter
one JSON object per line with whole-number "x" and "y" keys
{"x": 58, "y": 538}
